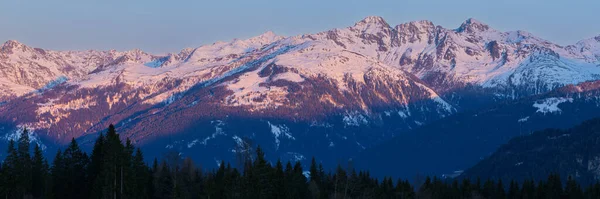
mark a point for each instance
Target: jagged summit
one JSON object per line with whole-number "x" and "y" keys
{"x": 11, "y": 42}
{"x": 375, "y": 20}
{"x": 372, "y": 25}
{"x": 421, "y": 24}
{"x": 473, "y": 25}
{"x": 11, "y": 45}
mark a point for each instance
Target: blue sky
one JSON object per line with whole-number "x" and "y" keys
{"x": 161, "y": 26}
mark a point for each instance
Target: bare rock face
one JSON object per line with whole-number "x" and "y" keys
{"x": 494, "y": 49}
{"x": 416, "y": 32}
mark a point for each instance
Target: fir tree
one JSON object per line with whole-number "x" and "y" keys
{"x": 24, "y": 182}
{"x": 75, "y": 164}
{"x": 10, "y": 171}
{"x": 39, "y": 172}
{"x": 164, "y": 187}
{"x": 513, "y": 190}
{"x": 142, "y": 176}
{"x": 95, "y": 168}
{"x": 572, "y": 189}
{"x": 59, "y": 177}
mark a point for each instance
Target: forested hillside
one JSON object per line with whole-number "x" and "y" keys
{"x": 572, "y": 152}
{"x": 117, "y": 170}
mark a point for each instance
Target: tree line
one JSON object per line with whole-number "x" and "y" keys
{"x": 116, "y": 169}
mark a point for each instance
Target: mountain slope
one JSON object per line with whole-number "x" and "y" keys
{"x": 457, "y": 142}
{"x": 573, "y": 152}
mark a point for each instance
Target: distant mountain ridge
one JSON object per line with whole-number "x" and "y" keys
{"x": 344, "y": 89}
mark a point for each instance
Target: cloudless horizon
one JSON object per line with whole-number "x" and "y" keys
{"x": 163, "y": 26}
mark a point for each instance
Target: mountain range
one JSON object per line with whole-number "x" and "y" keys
{"x": 336, "y": 94}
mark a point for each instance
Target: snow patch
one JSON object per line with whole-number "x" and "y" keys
{"x": 523, "y": 119}
{"x": 218, "y": 131}
{"x": 306, "y": 174}
{"x": 279, "y": 130}
{"x": 192, "y": 143}
{"x": 354, "y": 119}
{"x": 296, "y": 157}
{"x": 550, "y": 105}
{"x": 419, "y": 123}
{"x": 238, "y": 140}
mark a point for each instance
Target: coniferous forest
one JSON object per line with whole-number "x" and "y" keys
{"x": 116, "y": 169}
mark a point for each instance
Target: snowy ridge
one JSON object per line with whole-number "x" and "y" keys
{"x": 472, "y": 53}
{"x": 355, "y": 72}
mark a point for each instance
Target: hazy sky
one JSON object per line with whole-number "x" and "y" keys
{"x": 160, "y": 26}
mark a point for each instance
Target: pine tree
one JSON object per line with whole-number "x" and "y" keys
{"x": 155, "y": 177}
{"x": 572, "y": 189}
{"x": 59, "y": 177}
{"x": 262, "y": 171}
{"x": 289, "y": 173}
{"x": 314, "y": 172}
{"x": 126, "y": 171}
{"x": 514, "y": 190}
{"x": 466, "y": 188}
{"x": 528, "y": 189}
{"x": 298, "y": 180}
{"x": 24, "y": 182}
{"x": 113, "y": 161}
{"x": 186, "y": 177}
{"x": 75, "y": 163}
{"x": 488, "y": 188}
{"x": 541, "y": 191}
{"x": 95, "y": 168}
{"x": 39, "y": 172}
{"x": 278, "y": 180}
{"x": 142, "y": 176}
{"x": 164, "y": 187}
{"x": 499, "y": 193}
{"x": 10, "y": 171}
{"x": 553, "y": 187}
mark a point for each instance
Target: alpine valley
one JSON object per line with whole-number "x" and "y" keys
{"x": 405, "y": 99}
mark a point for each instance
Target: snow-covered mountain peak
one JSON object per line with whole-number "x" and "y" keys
{"x": 372, "y": 20}
{"x": 588, "y": 48}
{"x": 590, "y": 43}
{"x": 11, "y": 43}
{"x": 371, "y": 25}
{"x": 472, "y": 25}
{"x": 266, "y": 37}
{"x": 11, "y": 46}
